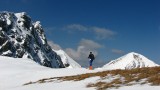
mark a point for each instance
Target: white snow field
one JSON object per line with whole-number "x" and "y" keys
{"x": 14, "y": 72}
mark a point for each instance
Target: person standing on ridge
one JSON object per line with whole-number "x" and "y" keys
{"x": 91, "y": 58}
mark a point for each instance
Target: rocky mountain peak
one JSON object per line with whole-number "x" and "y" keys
{"x": 22, "y": 38}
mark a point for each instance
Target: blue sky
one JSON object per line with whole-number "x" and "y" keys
{"x": 109, "y": 28}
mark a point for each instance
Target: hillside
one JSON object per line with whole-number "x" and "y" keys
{"x": 17, "y": 71}
{"x": 24, "y": 74}
{"x": 118, "y": 78}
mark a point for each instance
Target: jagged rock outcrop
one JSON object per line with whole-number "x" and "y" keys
{"x": 21, "y": 38}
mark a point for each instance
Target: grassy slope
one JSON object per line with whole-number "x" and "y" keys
{"x": 149, "y": 75}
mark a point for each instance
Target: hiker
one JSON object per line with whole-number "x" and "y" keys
{"x": 91, "y": 58}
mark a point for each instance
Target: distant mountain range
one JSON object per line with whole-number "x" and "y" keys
{"x": 130, "y": 61}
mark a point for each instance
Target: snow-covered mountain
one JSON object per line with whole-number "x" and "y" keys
{"x": 130, "y": 61}
{"x": 67, "y": 61}
{"x": 21, "y": 38}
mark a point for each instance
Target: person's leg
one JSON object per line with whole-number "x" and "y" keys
{"x": 90, "y": 67}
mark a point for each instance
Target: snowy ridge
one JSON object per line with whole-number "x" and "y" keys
{"x": 130, "y": 61}
{"x": 67, "y": 61}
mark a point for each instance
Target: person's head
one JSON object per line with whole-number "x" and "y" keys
{"x": 90, "y": 52}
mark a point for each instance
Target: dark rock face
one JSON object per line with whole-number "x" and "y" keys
{"x": 21, "y": 38}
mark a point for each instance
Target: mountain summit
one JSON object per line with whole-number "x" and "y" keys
{"x": 21, "y": 38}
{"x": 130, "y": 61}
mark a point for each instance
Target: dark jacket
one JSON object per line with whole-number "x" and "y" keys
{"x": 91, "y": 56}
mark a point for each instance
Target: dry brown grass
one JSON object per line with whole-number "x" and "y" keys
{"x": 150, "y": 74}
{"x": 134, "y": 74}
{"x": 155, "y": 79}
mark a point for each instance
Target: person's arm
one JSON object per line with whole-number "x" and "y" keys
{"x": 89, "y": 56}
